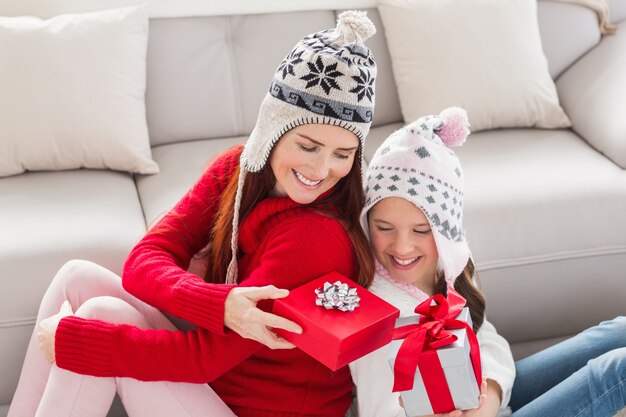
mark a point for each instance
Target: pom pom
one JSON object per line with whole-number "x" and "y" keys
{"x": 354, "y": 26}
{"x": 456, "y": 126}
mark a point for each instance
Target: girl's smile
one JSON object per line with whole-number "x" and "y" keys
{"x": 403, "y": 242}
{"x": 405, "y": 263}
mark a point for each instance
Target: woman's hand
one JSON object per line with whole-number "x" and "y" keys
{"x": 47, "y": 329}
{"x": 242, "y": 316}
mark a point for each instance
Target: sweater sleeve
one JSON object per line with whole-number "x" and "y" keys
{"x": 497, "y": 360}
{"x": 155, "y": 270}
{"x": 98, "y": 348}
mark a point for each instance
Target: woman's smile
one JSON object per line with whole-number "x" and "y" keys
{"x": 306, "y": 181}
{"x": 309, "y": 160}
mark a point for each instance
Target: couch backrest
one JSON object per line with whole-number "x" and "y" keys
{"x": 208, "y": 75}
{"x": 216, "y": 70}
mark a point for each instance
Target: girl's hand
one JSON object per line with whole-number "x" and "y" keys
{"x": 47, "y": 329}
{"x": 242, "y": 316}
{"x": 476, "y": 412}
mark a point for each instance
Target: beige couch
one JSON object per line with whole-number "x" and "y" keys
{"x": 545, "y": 209}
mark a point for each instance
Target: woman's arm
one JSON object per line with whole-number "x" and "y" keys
{"x": 155, "y": 270}
{"x": 296, "y": 252}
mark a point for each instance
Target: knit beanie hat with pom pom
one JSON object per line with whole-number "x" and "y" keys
{"x": 416, "y": 163}
{"x": 328, "y": 78}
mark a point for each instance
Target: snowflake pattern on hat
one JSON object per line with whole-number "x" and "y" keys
{"x": 324, "y": 66}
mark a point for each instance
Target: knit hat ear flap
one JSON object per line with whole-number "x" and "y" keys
{"x": 416, "y": 164}
{"x": 232, "y": 271}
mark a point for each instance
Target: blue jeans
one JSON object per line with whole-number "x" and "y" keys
{"x": 584, "y": 376}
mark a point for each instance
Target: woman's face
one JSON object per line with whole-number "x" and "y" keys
{"x": 310, "y": 159}
{"x": 403, "y": 242}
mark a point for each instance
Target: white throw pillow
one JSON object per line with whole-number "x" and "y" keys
{"x": 482, "y": 55}
{"x": 72, "y": 92}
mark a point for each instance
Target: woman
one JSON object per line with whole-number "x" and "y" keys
{"x": 281, "y": 211}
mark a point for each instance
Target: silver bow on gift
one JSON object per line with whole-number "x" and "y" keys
{"x": 337, "y": 296}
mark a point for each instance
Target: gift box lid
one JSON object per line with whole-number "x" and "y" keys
{"x": 336, "y": 329}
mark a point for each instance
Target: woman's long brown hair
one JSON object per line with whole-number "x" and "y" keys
{"x": 464, "y": 285}
{"x": 344, "y": 203}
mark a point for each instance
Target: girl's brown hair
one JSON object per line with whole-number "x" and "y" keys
{"x": 344, "y": 203}
{"x": 464, "y": 285}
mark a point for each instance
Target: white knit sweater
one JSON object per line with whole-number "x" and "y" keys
{"x": 373, "y": 375}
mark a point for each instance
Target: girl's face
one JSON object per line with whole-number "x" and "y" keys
{"x": 403, "y": 242}
{"x": 310, "y": 159}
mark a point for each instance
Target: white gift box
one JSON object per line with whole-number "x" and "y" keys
{"x": 457, "y": 368}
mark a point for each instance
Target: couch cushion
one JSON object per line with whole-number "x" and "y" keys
{"x": 499, "y": 73}
{"x": 618, "y": 10}
{"x": 593, "y": 93}
{"x": 576, "y": 33}
{"x": 207, "y": 76}
{"x": 545, "y": 216}
{"x": 181, "y": 165}
{"x": 76, "y": 97}
{"x": 48, "y": 218}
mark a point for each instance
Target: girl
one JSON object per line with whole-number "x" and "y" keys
{"x": 280, "y": 211}
{"x": 413, "y": 212}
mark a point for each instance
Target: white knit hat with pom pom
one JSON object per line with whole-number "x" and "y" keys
{"x": 328, "y": 78}
{"x": 417, "y": 164}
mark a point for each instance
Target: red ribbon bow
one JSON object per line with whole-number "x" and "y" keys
{"x": 437, "y": 318}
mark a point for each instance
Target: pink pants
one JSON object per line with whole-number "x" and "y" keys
{"x": 46, "y": 390}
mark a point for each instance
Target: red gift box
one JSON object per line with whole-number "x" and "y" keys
{"x": 335, "y": 337}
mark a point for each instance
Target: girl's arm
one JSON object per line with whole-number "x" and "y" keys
{"x": 155, "y": 270}
{"x": 299, "y": 250}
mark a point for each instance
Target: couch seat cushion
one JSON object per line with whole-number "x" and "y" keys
{"x": 46, "y": 219}
{"x": 181, "y": 165}
{"x": 545, "y": 216}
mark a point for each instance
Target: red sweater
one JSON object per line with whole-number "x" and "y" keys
{"x": 282, "y": 243}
